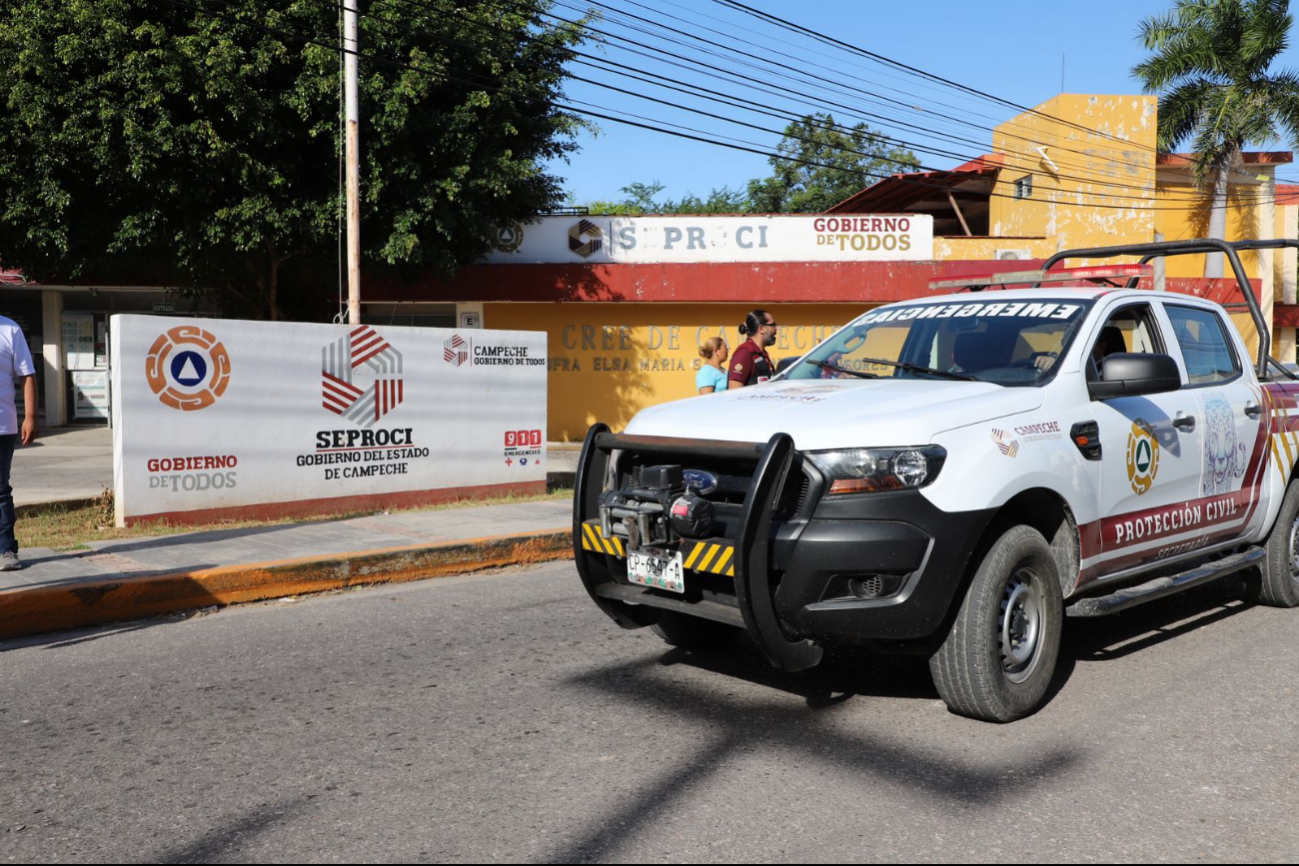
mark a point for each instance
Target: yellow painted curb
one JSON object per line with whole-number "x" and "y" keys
{"x": 39, "y": 609}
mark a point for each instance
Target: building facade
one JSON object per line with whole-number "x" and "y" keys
{"x": 626, "y": 302}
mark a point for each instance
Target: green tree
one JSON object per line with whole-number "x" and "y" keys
{"x": 720, "y": 200}
{"x": 821, "y": 163}
{"x": 1211, "y": 66}
{"x": 140, "y": 136}
{"x": 643, "y": 198}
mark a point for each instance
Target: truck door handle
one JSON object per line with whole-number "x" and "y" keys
{"x": 1253, "y": 410}
{"x": 1184, "y": 422}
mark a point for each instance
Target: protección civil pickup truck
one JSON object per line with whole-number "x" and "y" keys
{"x": 958, "y": 475}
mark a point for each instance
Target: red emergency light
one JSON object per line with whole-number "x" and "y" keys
{"x": 1100, "y": 274}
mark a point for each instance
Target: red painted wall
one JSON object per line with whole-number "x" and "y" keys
{"x": 730, "y": 282}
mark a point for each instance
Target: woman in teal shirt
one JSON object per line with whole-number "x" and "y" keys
{"x": 712, "y": 375}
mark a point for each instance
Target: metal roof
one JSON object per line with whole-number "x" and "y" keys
{"x": 901, "y": 191}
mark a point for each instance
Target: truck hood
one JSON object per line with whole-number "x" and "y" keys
{"x": 837, "y": 414}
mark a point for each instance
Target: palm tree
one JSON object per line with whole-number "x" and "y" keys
{"x": 1210, "y": 66}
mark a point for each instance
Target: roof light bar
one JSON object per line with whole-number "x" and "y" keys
{"x": 1098, "y": 274}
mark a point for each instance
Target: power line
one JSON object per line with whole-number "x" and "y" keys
{"x": 1028, "y": 167}
{"x": 798, "y": 28}
{"x": 823, "y": 84}
{"x": 1147, "y": 191}
{"x": 650, "y": 125}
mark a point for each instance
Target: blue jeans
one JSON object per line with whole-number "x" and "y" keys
{"x": 8, "y": 544}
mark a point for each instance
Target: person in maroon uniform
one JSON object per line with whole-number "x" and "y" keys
{"x": 750, "y": 363}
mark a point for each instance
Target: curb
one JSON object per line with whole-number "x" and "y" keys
{"x": 36, "y": 610}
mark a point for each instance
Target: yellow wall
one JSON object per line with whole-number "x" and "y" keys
{"x": 959, "y": 249}
{"x": 1183, "y": 214}
{"x": 608, "y": 361}
{"x": 1078, "y": 171}
{"x": 1285, "y": 263}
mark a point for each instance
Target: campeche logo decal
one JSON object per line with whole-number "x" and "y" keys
{"x": 1143, "y": 456}
{"x": 456, "y": 350}
{"x": 339, "y": 363}
{"x": 186, "y": 378}
{"x": 1010, "y": 449}
{"x": 577, "y": 238}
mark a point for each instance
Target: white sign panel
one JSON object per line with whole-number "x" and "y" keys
{"x": 218, "y": 418}
{"x": 607, "y": 239}
{"x": 79, "y": 341}
{"x": 90, "y": 394}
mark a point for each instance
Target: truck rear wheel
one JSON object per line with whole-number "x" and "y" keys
{"x": 1277, "y": 583}
{"x": 998, "y": 660}
{"x": 692, "y": 632}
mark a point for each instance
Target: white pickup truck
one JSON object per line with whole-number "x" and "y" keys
{"x": 955, "y": 476}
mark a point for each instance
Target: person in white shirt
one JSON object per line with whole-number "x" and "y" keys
{"x": 16, "y": 369}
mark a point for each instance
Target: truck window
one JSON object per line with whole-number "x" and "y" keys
{"x": 1205, "y": 348}
{"x": 1131, "y": 329}
{"x": 1013, "y": 343}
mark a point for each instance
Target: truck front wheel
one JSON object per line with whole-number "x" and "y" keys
{"x": 1277, "y": 582}
{"x": 998, "y": 660}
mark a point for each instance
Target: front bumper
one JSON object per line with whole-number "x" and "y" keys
{"x": 901, "y": 537}
{"x": 793, "y": 581}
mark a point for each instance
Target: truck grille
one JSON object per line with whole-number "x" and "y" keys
{"x": 794, "y": 495}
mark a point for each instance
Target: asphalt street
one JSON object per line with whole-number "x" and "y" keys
{"x": 503, "y": 718}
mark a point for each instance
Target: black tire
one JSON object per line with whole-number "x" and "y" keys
{"x": 1277, "y": 582}
{"x": 692, "y": 632}
{"x": 1016, "y": 594}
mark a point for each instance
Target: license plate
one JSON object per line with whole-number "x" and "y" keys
{"x": 656, "y": 571}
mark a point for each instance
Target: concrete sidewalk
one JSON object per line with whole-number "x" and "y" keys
{"x": 63, "y": 464}
{"x": 130, "y": 578}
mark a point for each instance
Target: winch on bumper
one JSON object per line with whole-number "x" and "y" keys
{"x": 763, "y": 549}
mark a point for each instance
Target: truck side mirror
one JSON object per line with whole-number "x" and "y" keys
{"x": 1128, "y": 374}
{"x": 785, "y": 363}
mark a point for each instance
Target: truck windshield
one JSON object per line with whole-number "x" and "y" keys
{"x": 1013, "y": 343}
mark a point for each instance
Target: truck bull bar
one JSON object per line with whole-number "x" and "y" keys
{"x": 632, "y": 606}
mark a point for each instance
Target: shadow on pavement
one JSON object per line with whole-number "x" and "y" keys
{"x": 845, "y": 671}
{"x": 745, "y": 726}
{"x": 1162, "y": 620}
{"x": 75, "y": 637}
{"x": 226, "y": 841}
{"x": 205, "y": 537}
{"x": 121, "y": 577}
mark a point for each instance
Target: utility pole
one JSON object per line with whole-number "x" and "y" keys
{"x": 352, "y": 114}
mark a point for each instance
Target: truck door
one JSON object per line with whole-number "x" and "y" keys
{"x": 1234, "y": 447}
{"x": 1152, "y": 452}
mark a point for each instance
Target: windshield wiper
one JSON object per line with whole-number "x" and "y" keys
{"x": 916, "y": 368}
{"x": 826, "y": 365}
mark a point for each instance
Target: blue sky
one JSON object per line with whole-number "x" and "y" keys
{"x": 1012, "y": 50}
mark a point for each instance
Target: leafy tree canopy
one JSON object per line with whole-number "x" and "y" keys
{"x": 1211, "y": 64}
{"x": 136, "y": 131}
{"x": 821, "y": 163}
{"x": 641, "y": 198}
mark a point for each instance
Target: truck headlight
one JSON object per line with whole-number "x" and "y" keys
{"x": 868, "y": 470}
